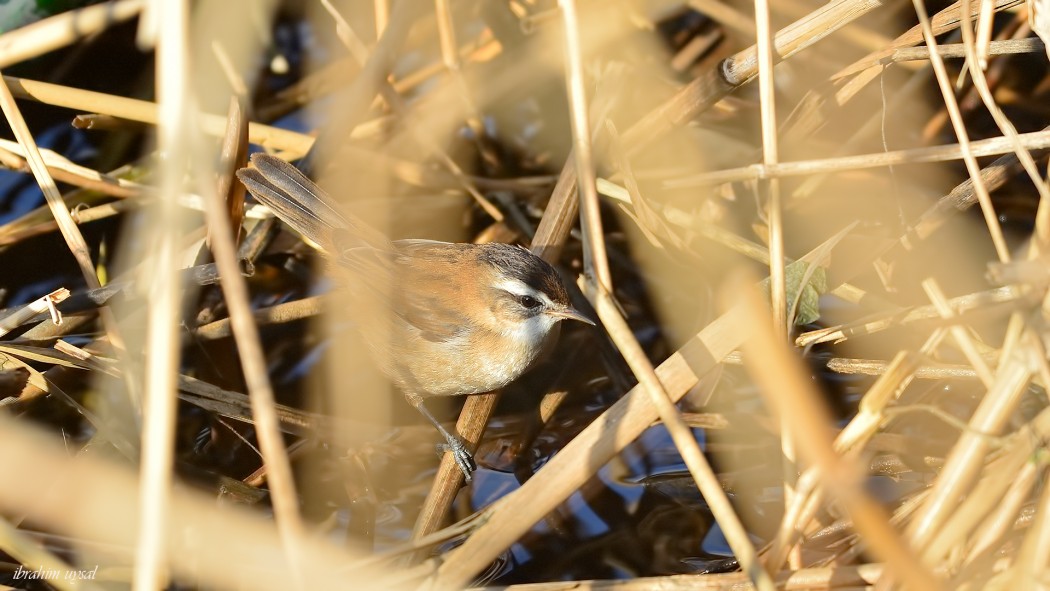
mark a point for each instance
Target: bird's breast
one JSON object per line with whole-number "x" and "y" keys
{"x": 472, "y": 364}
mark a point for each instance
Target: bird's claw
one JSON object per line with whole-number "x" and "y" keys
{"x": 460, "y": 453}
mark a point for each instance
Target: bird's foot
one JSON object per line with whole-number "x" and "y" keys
{"x": 460, "y": 453}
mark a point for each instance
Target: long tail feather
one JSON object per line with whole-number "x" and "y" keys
{"x": 304, "y": 206}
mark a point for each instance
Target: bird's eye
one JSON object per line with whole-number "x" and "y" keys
{"x": 529, "y": 302}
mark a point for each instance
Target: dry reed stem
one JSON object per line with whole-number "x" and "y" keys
{"x": 595, "y": 259}
{"x": 477, "y": 409}
{"x": 382, "y": 16}
{"x": 854, "y": 435}
{"x": 988, "y": 496}
{"x": 88, "y": 498}
{"x": 560, "y": 216}
{"x": 964, "y": 463}
{"x": 984, "y": 32}
{"x": 969, "y": 99}
{"x": 1004, "y": 514}
{"x": 63, "y": 29}
{"x": 346, "y": 34}
{"x": 146, "y": 112}
{"x": 788, "y": 390}
{"x": 1029, "y": 567}
{"x": 945, "y": 20}
{"x": 250, "y": 353}
{"x": 963, "y": 339}
{"x": 1019, "y": 452}
{"x": 975, "y": 56}
{"x": 161, "y": 340}
{"x": 960, "y": 305}
{"x": 68, "y": 172}
{"x": 236, "y": 405}
{"x": 797, "y": 36}
{"x": 1035, "y": 140}
{"x": 770, "y": 190}
{"x": 960, "y": 198}
{"x": 27, "y": 551}
{"x": 941, "y": 74}
{"x": 279, "y": 314}
{"x": 453, "y": 65}
{"x": 956, "y": 50}
{"x": 875, "y": 367}
{"x": 70, "y": 232}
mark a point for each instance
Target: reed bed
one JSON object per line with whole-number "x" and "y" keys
{"x": 813, "y": 235}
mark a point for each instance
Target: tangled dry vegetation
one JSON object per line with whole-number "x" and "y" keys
{"x": 872, "y": 414}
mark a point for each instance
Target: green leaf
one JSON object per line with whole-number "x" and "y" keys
{"x": 811, "y": 281}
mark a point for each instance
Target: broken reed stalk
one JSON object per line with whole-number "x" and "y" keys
{"x": 33, "y": 309}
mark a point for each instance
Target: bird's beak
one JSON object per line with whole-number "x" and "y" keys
{"x": 571, "y": 314}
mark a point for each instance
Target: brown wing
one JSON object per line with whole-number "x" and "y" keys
{"x": 429, "y": 298}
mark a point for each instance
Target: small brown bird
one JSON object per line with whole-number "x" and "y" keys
{"x": 461, "y": 318}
